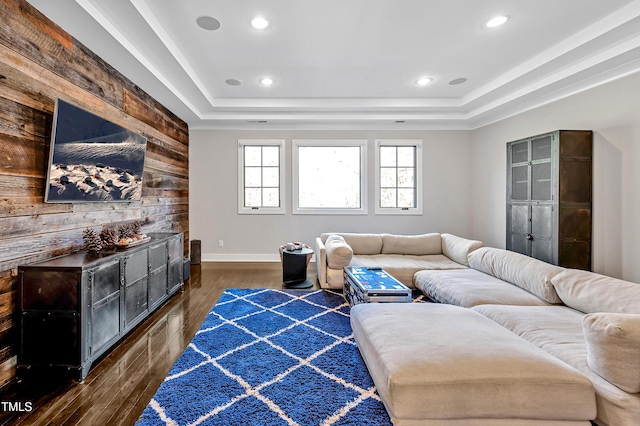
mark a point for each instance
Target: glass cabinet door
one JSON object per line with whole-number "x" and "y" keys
{"x": 520, "y": 152}
{"x": 519, "y": 171}
{"x": 541, "y": 148}
{"x": 541, "y": 169}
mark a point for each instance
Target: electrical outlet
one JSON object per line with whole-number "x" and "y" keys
{"x": 220, "y": 243}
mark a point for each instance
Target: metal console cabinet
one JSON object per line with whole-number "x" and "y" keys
{"x": 549, "y": 187}
{"x": 74, "y": 308}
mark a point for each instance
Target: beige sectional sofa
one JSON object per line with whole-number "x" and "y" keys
{"x": 399, "y": 255}
{"x": 443, "y": 365}
{"x": 589, "y": 322}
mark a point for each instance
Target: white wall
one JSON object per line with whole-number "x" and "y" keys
{"x": 213, "y": 194}
{"x": 612, "y": 111}
{"x": 464, "y": 182}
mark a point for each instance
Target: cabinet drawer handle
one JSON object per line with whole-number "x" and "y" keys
{"x": 529, "y": 237}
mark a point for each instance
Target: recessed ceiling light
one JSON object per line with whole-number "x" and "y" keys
{"x": 423, "y": 81}
{"x": 497, "y": 21}
{"x": 259, "y": 23}
{"x": 233, "y": 82}
{"x": 266, "y": 81}
{"x": 208, "y": 23}
{"x": 458, "y": 81}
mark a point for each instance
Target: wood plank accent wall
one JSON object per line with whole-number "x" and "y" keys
{"x": 39, "y": 62}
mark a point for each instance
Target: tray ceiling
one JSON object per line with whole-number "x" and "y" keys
{"x": 354, "y": 64}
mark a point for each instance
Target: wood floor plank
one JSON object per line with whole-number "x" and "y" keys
{"x": 120, "y": 385}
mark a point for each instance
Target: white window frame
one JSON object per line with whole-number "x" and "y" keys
{"x": 362, "y": 144}
{"x": 282, "y": 187}
{"x": 417, "y": 210}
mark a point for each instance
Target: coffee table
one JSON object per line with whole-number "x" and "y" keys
{"x": 373, "y": 285}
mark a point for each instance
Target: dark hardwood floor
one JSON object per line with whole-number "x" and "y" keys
{"x": 121, "y": 384}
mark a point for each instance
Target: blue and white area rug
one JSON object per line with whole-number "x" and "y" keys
{"x": 270, "y": 357}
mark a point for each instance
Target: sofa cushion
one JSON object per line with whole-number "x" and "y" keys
{"x": 526, "y": 272}
{"x": 403, "y": 267}
{"x": 433, "y": 362}
{"x": 339, "y": 253}
{"x": 613, "y": 348}
{"x": 468, "y": 287}
{"x": 364, "y": 243}
{"x": 418, "y": 245}
{"x": 555, "y": 328}
{"x": 558, "y": 330}
{"x": 457, "y": 248}
{"x": 590, "y": 292}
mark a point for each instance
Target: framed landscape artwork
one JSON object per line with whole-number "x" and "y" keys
{"x": 92, "y": 159}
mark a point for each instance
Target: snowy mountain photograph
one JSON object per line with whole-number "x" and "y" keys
{"x": 93, "y": 159}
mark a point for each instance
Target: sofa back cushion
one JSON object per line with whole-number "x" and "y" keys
{"x": 590, "y": 292}
{"x": 339, "y": 253}
{"x": 613, "y": 344}
{"x": 360, "y": 243}
{"x": 418, "y": 245}
{"x": 457, "y": 248}
{"x": 526, "y": 272}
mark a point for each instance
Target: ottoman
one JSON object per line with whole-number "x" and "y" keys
{"x": 436, "y": 364}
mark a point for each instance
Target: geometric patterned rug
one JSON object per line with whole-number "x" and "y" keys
{"x": 270, "y": 357}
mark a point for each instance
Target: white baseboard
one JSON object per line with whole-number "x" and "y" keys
{"x": 245, "y": 257}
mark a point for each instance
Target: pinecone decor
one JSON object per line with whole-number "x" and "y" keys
{"x": 135, "y": 228}
{"x": 92, "y": 241}
{"x": 109, "y": 237}
{"x": 129, "y": 233}
{"x": 123, "y": 232}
